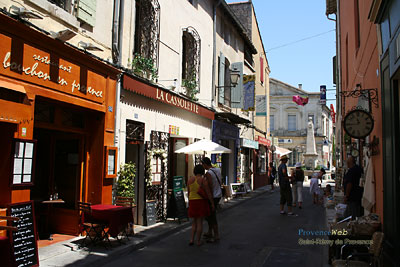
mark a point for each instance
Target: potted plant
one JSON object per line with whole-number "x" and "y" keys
{"x": 143, "y": 67}
{"x": 191, "y": 86}
{"x": 126, "y": 180}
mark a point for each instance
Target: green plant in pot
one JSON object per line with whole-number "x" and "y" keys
{"x": 144, "y": 67}
{"x": 191, "y": 86}
{"x": 126, "y": 180}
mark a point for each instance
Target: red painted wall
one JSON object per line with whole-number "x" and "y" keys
{"x": 360, "y": 65}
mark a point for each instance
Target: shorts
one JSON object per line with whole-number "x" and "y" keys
{"x": 271, "y": 180}
{"x": 212, "y": 219}
{"x": 286, "y": 196}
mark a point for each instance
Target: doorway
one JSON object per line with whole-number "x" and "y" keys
{"x": 58, "y": 172}
{"x": 179, "y": 162}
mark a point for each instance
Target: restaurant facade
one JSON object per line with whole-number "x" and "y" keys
{"x": 57, "y": 126}
{"x": 155, "y": 122}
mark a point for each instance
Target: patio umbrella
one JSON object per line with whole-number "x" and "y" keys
{"x": 203, "y": 146}
{"x": 282, "y": 151}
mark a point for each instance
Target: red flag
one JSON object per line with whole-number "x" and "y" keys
{"x": 333, "y": 114}
{"x": 302, "y": 101}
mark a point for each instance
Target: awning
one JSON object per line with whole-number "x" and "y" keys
{"x": 12, "y": 86}
{"x": 232, "y": 118}
{"x": 282, "y": 151}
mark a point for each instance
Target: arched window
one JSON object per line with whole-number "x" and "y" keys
{"x": 147, "y": 29}
{"x": 191, "y": 60}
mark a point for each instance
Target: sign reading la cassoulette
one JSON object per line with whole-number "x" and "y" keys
{"x": 165, "y": 96}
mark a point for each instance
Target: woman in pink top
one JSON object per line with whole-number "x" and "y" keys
{"x": 198, "y": 206}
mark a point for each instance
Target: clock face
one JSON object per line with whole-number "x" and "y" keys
{"x": 354, "y": 153}
{"x": 358, "y": 124}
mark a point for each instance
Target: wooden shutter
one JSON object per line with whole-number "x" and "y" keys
{"x": 237, "y": 91}
{"x": 221, "y": 78}
{"x": 87, "y": 11}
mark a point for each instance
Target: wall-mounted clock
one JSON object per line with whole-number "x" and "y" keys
{"x": 358, "y": 123}
{"x": 355, "y": 153}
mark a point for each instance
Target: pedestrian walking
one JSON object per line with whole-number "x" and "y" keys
{"x": 198, "y": 205}
{"x": 297, "y": 185}
{"x": 352, "y": 190}
{"x": 214, "y": 179}
{"x": 284, "y": 185}
{"x": 271, "y": 175}
{"x": 315, "y": 189}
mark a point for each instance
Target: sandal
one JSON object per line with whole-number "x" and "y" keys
{"x": 200, "y": 243}
{"x": 191, "y": 243}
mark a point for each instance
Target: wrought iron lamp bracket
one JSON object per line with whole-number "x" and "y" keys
{"x": 372, "y": 94}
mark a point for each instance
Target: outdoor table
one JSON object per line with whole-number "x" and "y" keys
{"x": 116, "y": 217}
{"x": 6, "y": 256}
{"x": 49, "y": 206}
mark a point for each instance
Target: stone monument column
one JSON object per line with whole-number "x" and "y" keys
{"x": 310, "y": 157}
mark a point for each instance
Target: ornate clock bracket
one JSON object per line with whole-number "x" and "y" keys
{"x": 371, "y": 93}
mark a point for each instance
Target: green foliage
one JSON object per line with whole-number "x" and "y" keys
{"x": 126, "y": 178}
{"x": 318, "y": 167}
{"x": 144, "y": 67}
{"x": 191, "y": 87}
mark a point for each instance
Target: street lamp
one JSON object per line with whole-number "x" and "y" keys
{"x": 235, "y": 76}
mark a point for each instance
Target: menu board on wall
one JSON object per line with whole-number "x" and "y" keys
{"x": 23, "y": 162}
{"x": 24, "y": 241}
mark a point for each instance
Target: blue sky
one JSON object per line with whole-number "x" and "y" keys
{"x": 307, "y": 62}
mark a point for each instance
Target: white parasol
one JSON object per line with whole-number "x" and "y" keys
{"x": 203, "y": 146}
{"x": 282, "y": 151}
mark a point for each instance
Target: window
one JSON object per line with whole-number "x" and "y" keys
{"x": 272, "y": 122}
{"x": 23, "y": 162}
{"x": 190, "y": 59}
{"x": 291, "y": 122}
{"x": 147, "y": 29}
{"x": 64, "y": 4}
{"x": 85, "y": 10}
{"x": 227, "y": 35}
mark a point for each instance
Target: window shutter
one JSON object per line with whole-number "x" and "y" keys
{"x": 237, "y": 91}
{"x": 87, "y": 11}
{"x": 221, "y": 78}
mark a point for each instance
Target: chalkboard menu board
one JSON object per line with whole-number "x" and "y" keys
{"x": 151, "y": 215}
{"x": 24, "y": 240}
{"x": 180, "y": 205}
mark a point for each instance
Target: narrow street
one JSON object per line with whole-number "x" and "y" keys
{"x": 252, "y": 234}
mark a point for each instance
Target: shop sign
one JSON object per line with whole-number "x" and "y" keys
{"x": 286, "y": 141}
{"x": 165, "y": 96}
{"x": 248, "y": 143}
{"x": 263, "y": 141}
{"x": 37, "y": 66}
{"x": 174, "y": 129}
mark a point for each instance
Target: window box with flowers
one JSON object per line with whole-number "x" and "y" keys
{"x": 143, "y": 67}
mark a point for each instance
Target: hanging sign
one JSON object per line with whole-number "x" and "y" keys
{"x": 322, "y": 90}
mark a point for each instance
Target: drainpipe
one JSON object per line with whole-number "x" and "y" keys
{"x": 214, "y": 53}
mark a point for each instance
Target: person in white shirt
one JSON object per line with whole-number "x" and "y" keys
{"x": 214, "y": 179}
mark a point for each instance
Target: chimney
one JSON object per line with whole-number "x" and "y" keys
{"x": 300, "y": 86}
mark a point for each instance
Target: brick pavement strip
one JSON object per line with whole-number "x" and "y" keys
{"x": 67, "y": 253}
